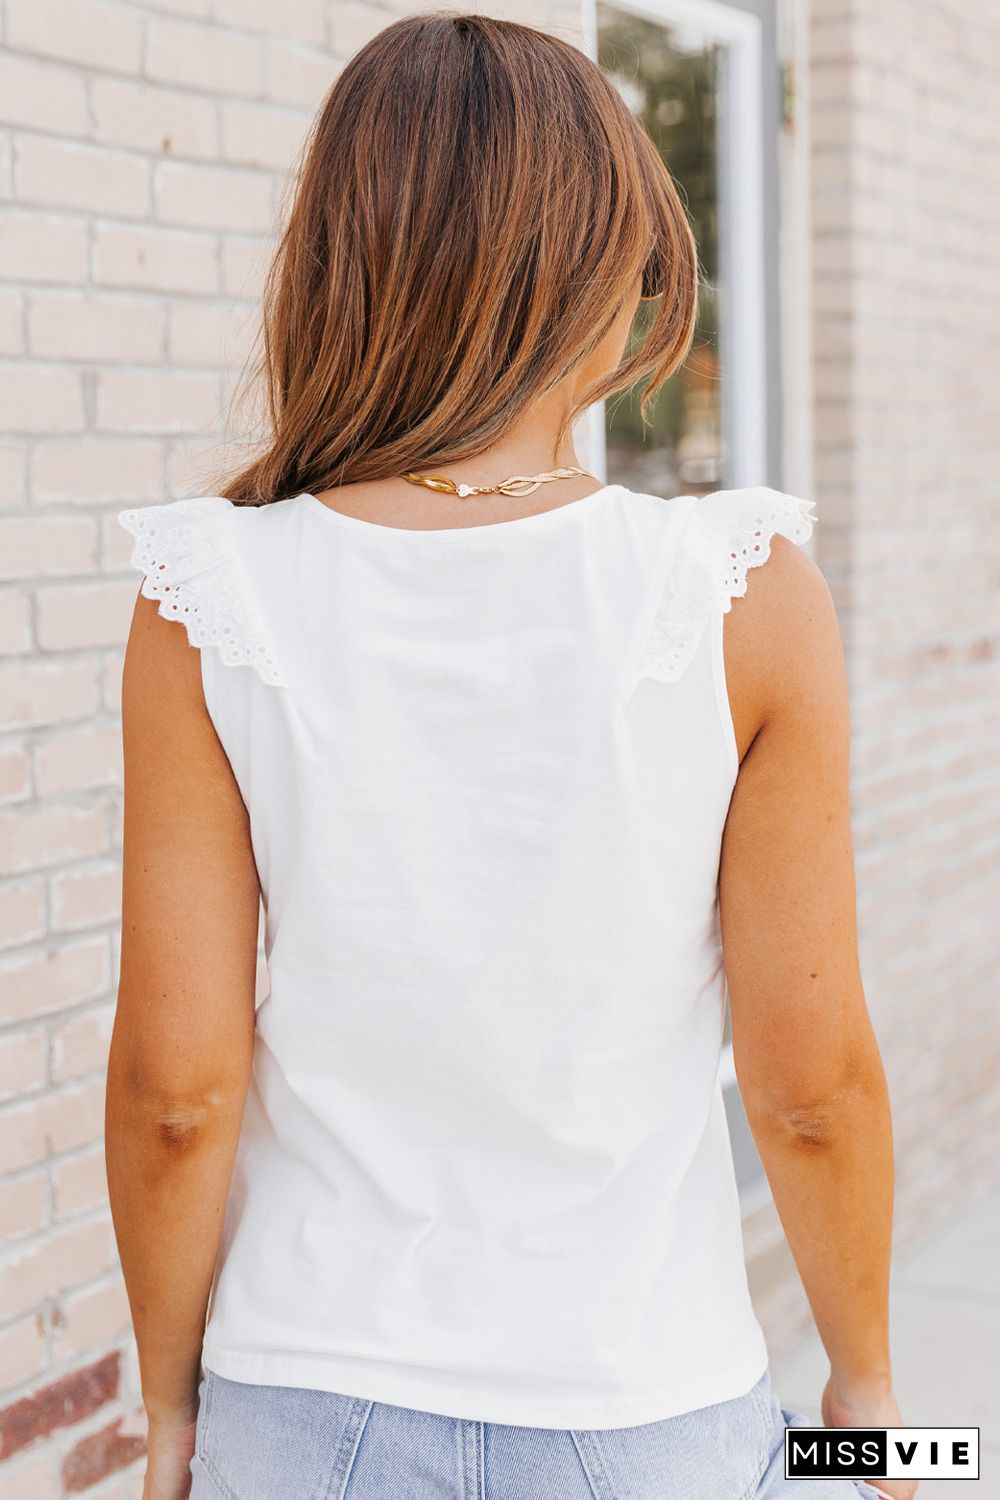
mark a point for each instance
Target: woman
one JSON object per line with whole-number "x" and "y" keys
{"x": 512, "y": 778}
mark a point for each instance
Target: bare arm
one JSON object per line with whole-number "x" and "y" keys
{"x": 806, "y": 1057}
{"x": 181, "y": 1049}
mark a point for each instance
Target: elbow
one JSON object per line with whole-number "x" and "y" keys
{"x": 174, "y": 1127}
{"x": 174, "y": 1120}
{"x": 818, "y": 1119}
{"x": 179, "y": 1125}
{"x": 811, "y": 1127}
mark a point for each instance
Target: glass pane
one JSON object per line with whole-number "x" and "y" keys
{"x": 670, "y": 76}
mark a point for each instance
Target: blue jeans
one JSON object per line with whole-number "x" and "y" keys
{"x": 266, "y": 1442}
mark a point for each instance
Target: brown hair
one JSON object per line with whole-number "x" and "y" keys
{"x": 475, "y": 204}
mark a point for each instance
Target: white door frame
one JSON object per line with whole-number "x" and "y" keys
{"x": 743, "y": 335}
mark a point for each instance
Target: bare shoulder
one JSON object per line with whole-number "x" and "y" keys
{"x": 176, "y": 770}
{"x": 161, "y": 681}
{"x": 782, "y": 642}
{"x": 159, "y": 645}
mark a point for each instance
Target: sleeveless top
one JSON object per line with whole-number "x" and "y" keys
{"x": 484, "y": 1168}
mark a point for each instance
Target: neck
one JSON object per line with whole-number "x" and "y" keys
{"x": 530, "y": 448}
{"x": 527, "y": 450}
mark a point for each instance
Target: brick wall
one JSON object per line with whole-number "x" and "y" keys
{"x": 906, "y": 214}
{"x": 143, "y": 156}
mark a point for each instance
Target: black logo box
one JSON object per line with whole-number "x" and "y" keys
{"x": 865, "y": 1456}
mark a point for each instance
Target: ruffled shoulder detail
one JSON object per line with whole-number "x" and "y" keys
{"x": 186, "y": 551}
{"x": 727, "y": 533}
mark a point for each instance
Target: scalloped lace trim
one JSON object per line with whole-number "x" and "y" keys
{"x": 723, "y": 541}
{"x": 189, "y": 569}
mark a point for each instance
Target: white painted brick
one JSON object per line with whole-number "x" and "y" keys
{"x": 76, "y": 1116}
{"x": 11, "y": 321}
{"x": 162, "y": 401}
{"x": 160, "y": 259}
{"x": 6, "y": 169}
{"x": 31, "y": 838}
{"x": 245, "y": 403}
{"x": 304, "y": 19}
{"x": 69, "y": 1257}
{"x": 96, "y": 470}
{"x": 24, "y": 1056}
{"x": 75, "y": 617}
{"x": 193, "y": 467}
{"x": 24, "y": 1207}
{"x": 38, "y": 983}
{"x": 47, "y": 692}
{"x": 213, "y": 197}
{"x": 43, "y": 247}
{"x": 62, "y": 174}
{"x": 91, "y": 1317}
{"x": 30, "y": 546}
{"x": 262, "y": 135}
{"x": 22, "y": 914}
{"x": 203, "y": 57}
{"x": 355, "y": 23}
{"x": 66, "y": 325}
{"x": 79, "y": 1183}
{"x": 15, "y": 772}
{"x": 33, "y": 1476}
{"x": 87, "y": 897}
{"x": 15, "y": 623}
{"x": 163, "y": 122}
{"x": 82, "y": 758}
{"x": 13, "y": 472}
{"x": 111, "y": 688}
{"x": 91, "y": 32}
{"x": 196, "y": 8}
{"x": 42, "y": 96}
{"x": 22, "y": 1355}
{"x": 213, "y": 334}
{"x": 116, "y": 543}
{"x": 299, "y": 76}
{"x": 35, "y": 399}
{"x": 80, "y": 1045}
{"x": 245, "y": 264}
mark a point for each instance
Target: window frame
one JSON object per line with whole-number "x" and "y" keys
{"x": 749, "y": 338}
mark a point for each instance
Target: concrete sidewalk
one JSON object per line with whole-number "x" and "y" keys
{"x": 946, "y": 1334}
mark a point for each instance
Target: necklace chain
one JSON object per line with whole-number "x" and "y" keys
{"x": 518, "y": 484}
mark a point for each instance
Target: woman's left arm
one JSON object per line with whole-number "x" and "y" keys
{"x": 182, "y": 1044}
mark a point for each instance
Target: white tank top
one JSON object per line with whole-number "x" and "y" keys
{"x": 484, "y": 1167}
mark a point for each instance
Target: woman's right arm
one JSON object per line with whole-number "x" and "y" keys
{"x": 806, "y": 1056}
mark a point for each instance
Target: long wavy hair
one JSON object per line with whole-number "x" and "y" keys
{"x": 475, "y": 204}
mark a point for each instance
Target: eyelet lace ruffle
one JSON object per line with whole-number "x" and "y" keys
{"x": 728, "y": 533}
{"x": 185, "y": 551}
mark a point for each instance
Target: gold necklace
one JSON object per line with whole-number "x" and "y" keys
{"x": 519, "y": 484}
